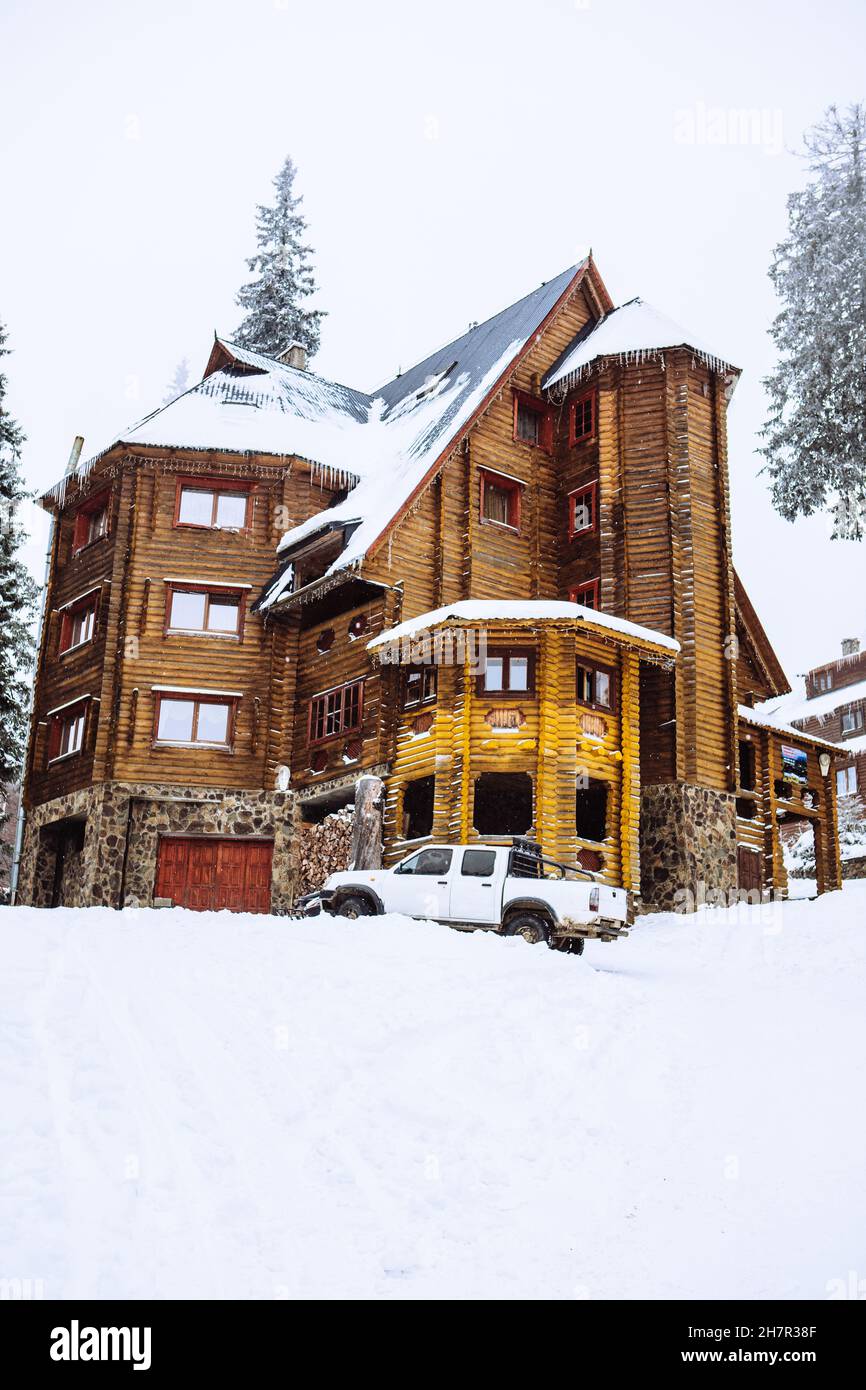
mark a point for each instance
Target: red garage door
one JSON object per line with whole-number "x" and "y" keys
{"x": 210, "y": 873}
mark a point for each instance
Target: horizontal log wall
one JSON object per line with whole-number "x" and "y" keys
{"x": 551, "y": 746}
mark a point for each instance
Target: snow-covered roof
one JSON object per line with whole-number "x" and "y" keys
{"x": 416, "y": 417}
{"x": 381, "y": 446}
{"x": 254, "y": 404}
{"x": 631, "y": 332}
{"x": 521, "y": 610}
{"x": 854, "y": 746}
{"x": 764, "y": 719}
{"x": 821, "y": 706}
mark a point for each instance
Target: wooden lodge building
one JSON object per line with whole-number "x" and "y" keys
{"x": 504, "y": 584}
{"x": 834, "y": 708}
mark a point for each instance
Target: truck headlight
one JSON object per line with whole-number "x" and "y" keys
{"x": 594, "y": 898}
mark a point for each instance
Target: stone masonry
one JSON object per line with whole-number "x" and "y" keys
{"x": 108, "y": 837}
{"x": 688, "y": 846}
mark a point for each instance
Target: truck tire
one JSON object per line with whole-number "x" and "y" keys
{"x": 571, "y": 945}
{"x": 530, "y": 926}
{"x": 353, "y": 905}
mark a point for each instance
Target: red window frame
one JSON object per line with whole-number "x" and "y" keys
{"x": 545, "y": 421}
{"x": 593, "y": 667}
{"x": 505, "y": 654}
{"x": 216, "y": 486}
{"x": 345, "y": 702}
{"x": 490, "y": 478}
{"x": 426, "y": 689}
{"x": 87, "y": 603}
{"x": 197, "y": 698}
{"x": 574, "y": 498}
{"x": 582, "y": 418}
{"x": 59, "y": 721}
{"x": 581, "y": 592}
{"x": 211, "y": 591}
{"x": 97, "y": 505}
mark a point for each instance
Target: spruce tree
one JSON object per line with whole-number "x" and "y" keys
{"x": 178, "y": 383}
{"x": 17, "y": 603}
{"x": 283, "y": 277}
{"x": 815, "y": 434}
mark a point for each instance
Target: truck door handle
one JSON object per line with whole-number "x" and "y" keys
{"x": 441, "y": 883}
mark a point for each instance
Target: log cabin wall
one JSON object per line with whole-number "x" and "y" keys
{"x": 559, "y": 744}
{"x": 328, "y": 657}
{"x": 163, "y": 552}
{"x": 131, "y": 650}
{"x": 665, "y": 553}
{"x": 84, "y": 671}
{"x": 443, "y": 550}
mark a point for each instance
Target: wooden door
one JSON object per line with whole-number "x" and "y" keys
{"x": 212, "y": 873}
{"x": 750, "y": 869}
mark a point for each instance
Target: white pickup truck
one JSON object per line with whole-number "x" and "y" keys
{"x": 512, "y": 889}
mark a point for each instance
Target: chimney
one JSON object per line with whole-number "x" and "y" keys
{"x": 850, "y": 646}
{"x": 295, "y": 355}
{"x": 74, "y": 454}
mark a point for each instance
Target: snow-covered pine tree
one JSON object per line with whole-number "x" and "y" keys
{"x": 17, "y": 601}
{"x": 815, "y": 434}
{"x": 178, "y": 383}
{"x": 284, "y": 278}
{"x": 851, "y": 819}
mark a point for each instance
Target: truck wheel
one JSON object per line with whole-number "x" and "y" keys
{"x": 529, "y": 925}
{"x": 572, "y": 945}
{"x": 353, "y": 905}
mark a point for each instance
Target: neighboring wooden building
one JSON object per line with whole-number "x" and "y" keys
{"x": 553, "y": 484}
{"x": 835, "y": 710}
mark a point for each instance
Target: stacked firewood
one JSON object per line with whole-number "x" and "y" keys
{"x": 323, "y": 849}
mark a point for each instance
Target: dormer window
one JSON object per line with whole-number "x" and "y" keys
{"x": 91, "y": 522}
{"x": 582, "y": 419}
{"x": 500, "y": 499}
{"x": 533, "y": 421}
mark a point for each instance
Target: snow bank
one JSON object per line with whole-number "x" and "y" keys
{"x": 230, "y": 1106}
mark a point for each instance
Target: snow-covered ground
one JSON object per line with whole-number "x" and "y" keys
{"x": 214, "y": 1106}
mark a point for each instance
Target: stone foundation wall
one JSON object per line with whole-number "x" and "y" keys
{"x": 122, "y": 824}
{"x": 854, "y": 868}
{"x": 688, "y": 846}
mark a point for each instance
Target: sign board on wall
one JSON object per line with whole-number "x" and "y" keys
{"x": 794, "y": 764}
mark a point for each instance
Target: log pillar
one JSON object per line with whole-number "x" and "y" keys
{"x": 367, "y": 827}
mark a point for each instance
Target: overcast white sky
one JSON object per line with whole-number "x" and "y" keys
{"x": 451, "y": 156}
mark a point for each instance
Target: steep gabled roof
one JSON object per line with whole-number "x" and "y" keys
{"x": 417, "y": 419}
{"x": 759, "y": 642}
{"x": 387, "y": 444}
